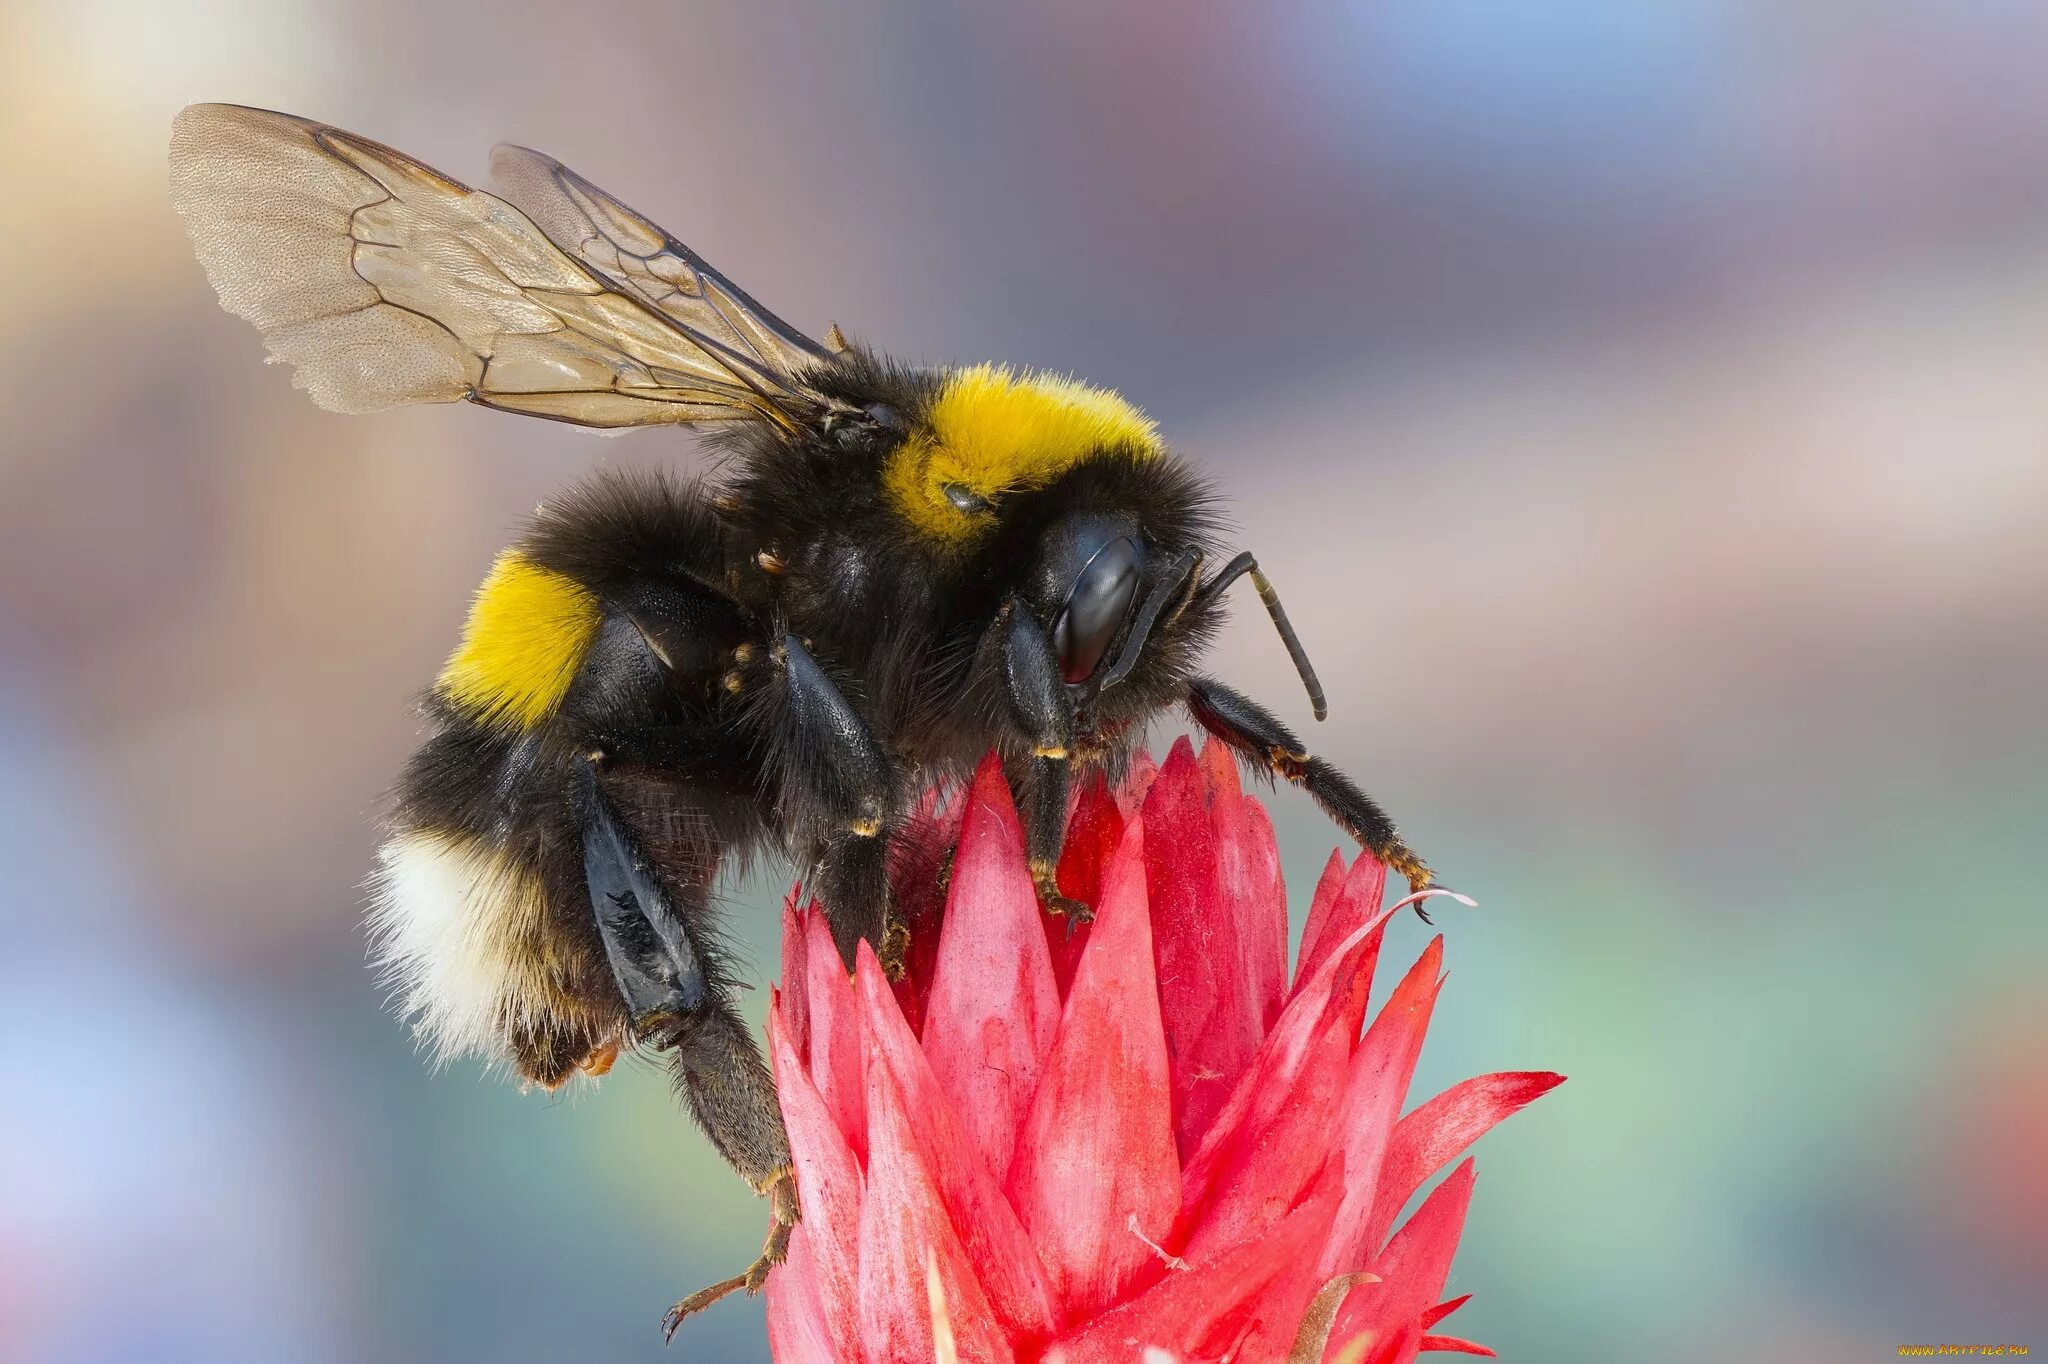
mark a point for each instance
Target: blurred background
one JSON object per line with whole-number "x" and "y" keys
{"x": 1643, "y": 408}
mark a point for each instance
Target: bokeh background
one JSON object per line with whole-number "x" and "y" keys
{"x": 1643, "y": 407}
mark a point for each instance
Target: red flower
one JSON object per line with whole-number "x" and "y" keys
{"x": 1137, "y": 1143}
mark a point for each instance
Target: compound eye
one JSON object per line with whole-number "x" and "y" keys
{"x": 1096, "y": 608}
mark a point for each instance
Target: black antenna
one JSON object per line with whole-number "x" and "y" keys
{"x": 1237, "y": 568}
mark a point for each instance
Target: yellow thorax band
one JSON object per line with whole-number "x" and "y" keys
{"x": 993, "y": 430}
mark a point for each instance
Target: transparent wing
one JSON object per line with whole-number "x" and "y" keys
{"x": 384, "y": 282}
{"x": 637, "y": 257}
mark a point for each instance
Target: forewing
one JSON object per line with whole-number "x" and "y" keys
{"x": 384, "y": 282}
{"x": 637, "y": 257}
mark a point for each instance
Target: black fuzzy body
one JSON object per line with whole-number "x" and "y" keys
{"x": 686, "y": 726}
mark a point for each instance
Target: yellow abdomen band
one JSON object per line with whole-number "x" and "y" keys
{"x": 527, "y": 633}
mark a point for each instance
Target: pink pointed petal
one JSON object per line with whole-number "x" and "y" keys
{"x": 1260, "y": 1186}
{"x": 829, "y": 1191}
{"x": 1372, "y": 1096}
{"x": 1202, "y": 1313}
{"x": 1286, "y": 1300}
{"x": 1418, "y": 1259}
{"x": 1364, "y": 899}
{"x": 905, "y": 1236}
{"x": 1097, "y": 1148}
{"x": 796, "y": 1008}
{"x": 835, "y": 1054}
{"x": 1358, "y": 904}
{"x": 797, "y": 1331}
{"x": 1212, "y": 1032}
{"x": 1377, "y": 1087}
{"x": 1414, "y": 1265}
{"x": 1281, "y": 1136}
{"x": 1320, "y": 906}
{"x": 1137, "y": 783}
{"x": 1444, "y": 1309}
{"x": 1093, "y": 836}
{"x": 1314, "y": 1031}
{"x": 1357, "y": 980}
{"x": 1356, "y": 901}
{"x": 1456, "y": 1345}
{"x": 1249, "y": 884}
{"x": 1433, "y": 1136}
{"x": 990, "y": 1234}
{"x": 1297, "y": 1043}
{"x": 994, "y": 1006}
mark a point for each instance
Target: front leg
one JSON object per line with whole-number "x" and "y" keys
{"x": 1037, "y": 701}
{"x": 1255, "y": 734}
{"x": 839, "y": 785}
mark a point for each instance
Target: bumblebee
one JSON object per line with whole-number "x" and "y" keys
{"x": 892, "y": 571}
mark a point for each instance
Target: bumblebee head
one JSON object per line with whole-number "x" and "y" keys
{"x": 1115, "y": 582}
{"x": 1063, "y": 495}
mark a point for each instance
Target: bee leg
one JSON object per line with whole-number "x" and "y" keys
{"x": 733, "y": 1097}
{"x": 679, "y": 1001}
{"x": 730, "y": 1092}
{"x": 658, "y": 969}
{"x": 1043, "y": 800}
{"x": 773, "y": 1251}
{"x": 1040, "y": 710}
{"x": 1261, "y": 740}
{"x": 836, "y": 768}
{"x": 851, "y": 877}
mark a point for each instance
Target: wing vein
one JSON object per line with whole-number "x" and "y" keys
{"x": 384, "y": 282}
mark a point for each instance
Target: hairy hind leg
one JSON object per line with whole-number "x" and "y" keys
{"x": 732, "y": 1095}
{"x": 679, "y": 1000}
